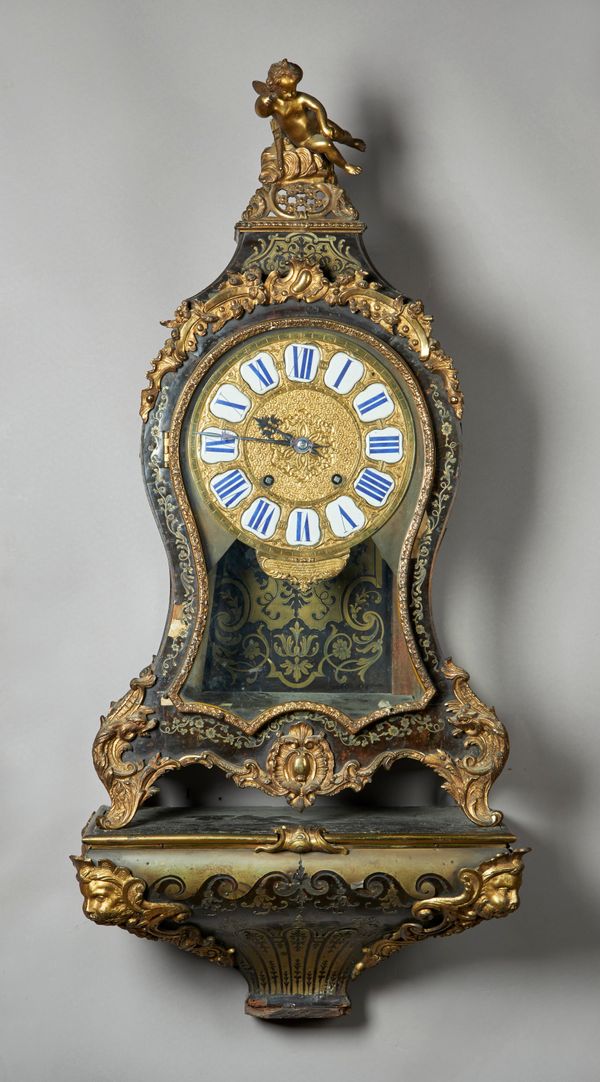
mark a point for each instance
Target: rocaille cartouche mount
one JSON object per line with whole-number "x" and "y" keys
{"x": 301, "y": 442}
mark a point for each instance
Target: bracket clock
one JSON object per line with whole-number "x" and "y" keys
{"x": 300, "y": 446}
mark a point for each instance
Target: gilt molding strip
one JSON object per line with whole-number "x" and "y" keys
{"x": 300, "y": 839}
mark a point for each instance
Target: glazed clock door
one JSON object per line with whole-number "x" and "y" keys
{"x": 306, "y": 458}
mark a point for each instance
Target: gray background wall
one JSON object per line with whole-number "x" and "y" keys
{"x": 132, "y": 148}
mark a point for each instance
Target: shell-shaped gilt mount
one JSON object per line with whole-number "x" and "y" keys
{"x": 303, "y": 281}
{"x": 301, "y": 840}
{"x": 302, "y": 573}
{"x": 300, "y": 764}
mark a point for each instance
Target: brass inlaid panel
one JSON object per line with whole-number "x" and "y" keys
{"x": 268, "y": 634}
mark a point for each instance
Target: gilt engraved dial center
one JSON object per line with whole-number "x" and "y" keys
{"x": 312, "y": 418}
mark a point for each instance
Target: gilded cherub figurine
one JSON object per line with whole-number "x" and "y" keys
{"x": 302, "y": 118}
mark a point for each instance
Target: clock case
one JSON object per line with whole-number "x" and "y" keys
{"x": 304, "y": 892}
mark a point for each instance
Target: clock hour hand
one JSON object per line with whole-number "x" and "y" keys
{"x": 301, "y": 444}
{"x": 270, "y": 425}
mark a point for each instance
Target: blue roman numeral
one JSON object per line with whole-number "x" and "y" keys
{"x": 229, "y": 486}
{"x": 347, "y": 517}
{"x": 217, "y": 443}
{"x": 234, "y": 405}
{"x": 260, "y": 370}
{"x": 259, "y": 519}
{"x": 383, "y": 445}
{"x": 343, "y": 372}
{"x": 378, "y": 399}
{"x": 302, "y": 526}
{"x": 302, "y": 361}
{"x": 374, "y": 485}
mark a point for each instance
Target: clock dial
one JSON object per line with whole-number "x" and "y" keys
{"x": 302, "y": 442}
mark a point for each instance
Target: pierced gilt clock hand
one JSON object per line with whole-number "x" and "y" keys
{"x": 269, "y": 426}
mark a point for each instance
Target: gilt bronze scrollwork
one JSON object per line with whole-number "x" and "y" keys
{"x": 112, "y": 895}
{"x": 304, "y": 281}
{"x": 491, "y": 890}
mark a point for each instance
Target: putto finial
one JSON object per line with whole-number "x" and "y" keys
{"x": 297, "y": 171}
{"x": 301, "y": 118}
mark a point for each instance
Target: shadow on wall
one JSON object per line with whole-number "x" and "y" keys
{"x": 488, "y": 530}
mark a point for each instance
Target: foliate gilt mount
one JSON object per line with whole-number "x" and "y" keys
{"x": 491, "y": 890}
{"x": 301, "y": 281}
{"x": 112, "y": 895}
{"x": 300, "y": 765}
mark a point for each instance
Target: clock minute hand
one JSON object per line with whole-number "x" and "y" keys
{"x": 252, "y": 439}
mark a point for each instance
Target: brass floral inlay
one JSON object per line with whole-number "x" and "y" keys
{"x": 266, "y": 632}
{"x": 330, "y": 252}
{"x": 429, "y": 531}
{"x": 427, "y": 724}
